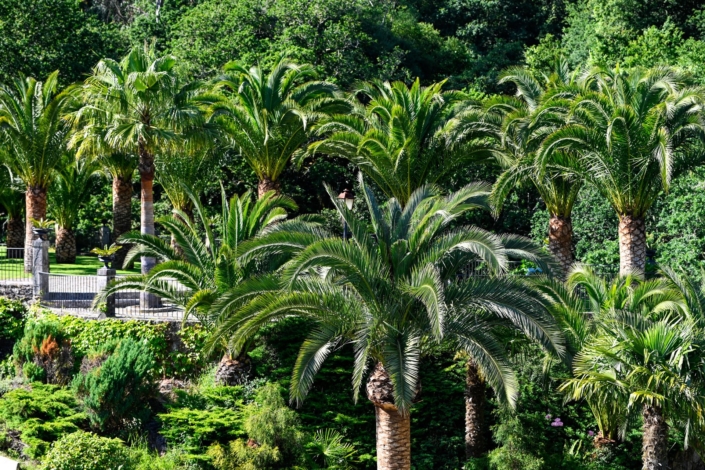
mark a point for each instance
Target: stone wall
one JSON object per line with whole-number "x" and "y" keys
{"x": 21, "y": 292}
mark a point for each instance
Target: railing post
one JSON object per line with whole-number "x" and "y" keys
{"x": 40, "y": 266}
{"x": 105, "y": 277}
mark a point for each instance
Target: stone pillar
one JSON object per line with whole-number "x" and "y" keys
{"x": 40, "y": 267}
{"x": 105, "y": 277}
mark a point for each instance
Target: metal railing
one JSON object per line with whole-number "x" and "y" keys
{"x": 12, "y": 266}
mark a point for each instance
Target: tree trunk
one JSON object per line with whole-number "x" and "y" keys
{"x": 122, "y": 216}
{"x": 65, "y": 246}
{"x": 393, "y": 428}
{"x": 188, "y": 211}
{"x": 474, "y": 412}
{"x": 654, "y": 448}
{"x": 632, "y": 244}
{"x": 560, "y": 241}
{"x": 36, "y": 201}
{"x": 146, "y": 169}
{"x": 265, "y": 185}
{"x": 15, "y": 233}
{"x": 234, "y": 371}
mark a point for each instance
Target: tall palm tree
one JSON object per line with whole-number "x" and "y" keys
{"x": 141, "y": 106}
{"x": 32, "y": 138}
{"x": 520, "y": 125}
{"x": 397, "y": 138}
{"x": 266, "y": 117}
{"x": 390, "y": 293}
{"x": 12, "y": 202}
{"x": 641, "y": 351}
{"x": 67, "y": 194}
{"x": 202, "y": 271}
{"x": 121, "y": 167}
{"x": 633, "y": 130}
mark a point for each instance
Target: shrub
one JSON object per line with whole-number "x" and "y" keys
{"x": 41, "y": 414}
{"x": 44, "y": 352}
{"x": 118, "y": 390}
{"x": 197, "y": 429}
{"x": 241, "y": 455}
{"x": 12, "y": 320}
{"x": 85, "y": 451}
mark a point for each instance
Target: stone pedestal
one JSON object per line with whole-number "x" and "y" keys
{"x": 40, "y": 267}
{"x": 105, "y": 277}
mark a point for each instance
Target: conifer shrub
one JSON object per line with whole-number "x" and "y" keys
{"x": 86, "y": 451}
{"x": 12, "y": 320}
{"x": 41, "y": 414}
{"x": 44, "y": 352}
{"x": 119, "y": 390}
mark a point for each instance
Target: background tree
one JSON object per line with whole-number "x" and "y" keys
{"x": 67, "y": 194}
{"x": 385, "y": 292}
{"x": 12, "y": 202}
{"x": 121, "y": 167}
{"x": 266, "y": 118}
{"x": 143, "y": 107}
{"x": 633, "y": 130}
{"x": 33, "y": 140}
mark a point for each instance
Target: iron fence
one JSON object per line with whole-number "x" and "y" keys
{"x": 12, "y": 266}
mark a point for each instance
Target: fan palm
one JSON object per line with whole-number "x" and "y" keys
{"x": 202, "y": 271}
{"x": 633, "y": 130}
{"x": 266, "y": 117}
{"x": 520, "y": 124}
{"x": 390, "y": 293}
{"x": 32, "y": 138}
{"x": 12, "y": 202}
{"x": 121, "y": 167}
{"x": 641, "y": 352}
{"x": 397, "y": 139}
{"x": 140, "y": 106}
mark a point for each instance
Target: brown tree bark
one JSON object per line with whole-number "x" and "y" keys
{"x": 122, "y": 216}
{"x": 15, "y": 233}
{"x": 234, "y": 371}
{"x": 36, "y": 208}
{"x": 265, "y": 185}
{"x": 560, "y": 241}
{"x": 475, "y": 390}
{"x": 65, "y": 246}
{"x": 632, "y": 244}
{"x": 654, "y": 448}
{"x": 393, "y": 428}
{"x": 147, "y": 169}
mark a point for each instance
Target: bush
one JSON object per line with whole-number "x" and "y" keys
{"x": 44, "y": 352}
{"x": 118, "y": 390}
{"x": 86, "y": 451}
{"x": 12, "y": 321}
{"x": 41, "y": 414}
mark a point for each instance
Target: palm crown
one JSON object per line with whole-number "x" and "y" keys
{"x": 387, "y": 291}
{"x": 398, "y": 138}
{"x": 266, "y": 117}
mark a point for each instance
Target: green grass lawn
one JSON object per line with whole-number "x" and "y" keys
{"x": 85, "y": 265}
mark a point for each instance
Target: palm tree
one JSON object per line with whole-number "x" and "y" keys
{"x": 390, "y": 293}
{"x": 12, "y": 202}
{"x": 66, "y": 196}
{"x": 202, "y": 271}
{"x": 633, "y": 130}
{"x": 397, "y": 139}
{"x": 266, "y": 117}
{"x": 140, "y": 106}
{"x": 641, "y": 352}
{"x": 32, "y": 144}
{"x": 520, "y": 124}
{"x": 121, "y": 167}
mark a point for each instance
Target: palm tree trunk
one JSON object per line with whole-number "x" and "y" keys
{"x": 560, "y": 241}
{"x": 65, "y": 246}
{"x": 654, "y": 448}
{"x": 188, "y": 211}
{"x": 234, "y": 371}
{"x": 147, "y": 169}
{"x": 122, "y": 215}
{"x": 393, "y": 428}
{"x": 632, "y": 244}
{"x": 474, "y": 411}
{"x": 36, "y": 201}
{"x": 265, "y": 185}
{"x": 15, "y": 233}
